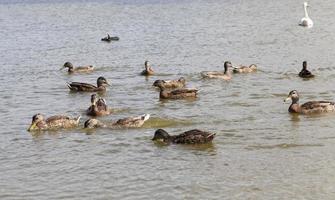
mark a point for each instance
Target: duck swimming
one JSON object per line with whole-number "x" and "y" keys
{"x": 306, "y": 21}
{"x": 148, "y": 70}
{"x": 85, "y": 87}
{"x": 194, "y": 136}
{"x": 52, "y": 123}
{"x": 216, "y": 74}
{"x": 108, "y": 38}
{"x": 245, "y": 69}
{"x": 129, "y": 122}
{"x": 80, "y": 69}
{"x": 177, "y": 93}
{"x": 180, "y": 83}
{"x": 304, "y": 73}
{"x": 98, "y": 107}
{"x": 308, "y": 107}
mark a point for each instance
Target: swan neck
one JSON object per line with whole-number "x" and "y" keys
{"x": 306, "y": 13}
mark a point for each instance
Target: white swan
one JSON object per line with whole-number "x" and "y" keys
{"x": 306, "y": 21}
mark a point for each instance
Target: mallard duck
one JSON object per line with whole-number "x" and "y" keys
{"x": 216, "y": 74}
{"x": 304, "y": 73}
{"x": 108, "y": 38}
{"x": 180, "y": 83}
{"x": 245, "y": 69}
{"x": 52, "y": 123}
{"x": 80, "y": 69}
{"x": 308, "y": 107}
{"x": 194, "y": 136}
{"x": 129, "y": 122}
{"x": 85, "y": 87}
{"x": 98, "y": 107}
{"x": 177, "y": 93}
{"x": 148, "y": 70}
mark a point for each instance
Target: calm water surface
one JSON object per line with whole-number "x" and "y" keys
{"x": 260, "y": 152}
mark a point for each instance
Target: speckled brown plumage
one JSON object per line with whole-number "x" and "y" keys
{"x": 308, "y": 107}
{"x": 170, "y": 84}
{"x": 86, "y": 87}
{"x": 53, "y": 123}
{"x": 194, "y": 136}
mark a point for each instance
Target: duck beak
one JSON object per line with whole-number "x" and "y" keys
{"x": 31, "y": 127}
{"x": 287, "y": 99}
{"x": 107, "y": 83}
{"x": 61, "y": 68}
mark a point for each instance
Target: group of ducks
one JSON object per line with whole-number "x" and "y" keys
{"x": 169, "y": 89}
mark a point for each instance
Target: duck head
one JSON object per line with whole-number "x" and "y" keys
{"x": 94, "y": 99}
{"x": 182, "y": 80}
{"x": 67, "y": 65}
{"x": 294, "y": 96}
{"x": 146, "y": 65}
{"x": 227, "y": 65}
{"x": 158, "y": 83}
{"x": 93, "y": 123}
{"x": 101, "y": 81}
{"x": 36, "y": 119}
{"x": 304, "y": 65}
{"x": 161, "y": 135}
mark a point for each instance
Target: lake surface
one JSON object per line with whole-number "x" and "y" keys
{"x": 260, "y": 151}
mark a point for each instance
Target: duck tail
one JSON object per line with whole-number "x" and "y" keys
{"x": 78, "y": 119}
{"x": 69, "y": 86}
{"x": 145, "y": 117}
{"x": 211, "y": 136}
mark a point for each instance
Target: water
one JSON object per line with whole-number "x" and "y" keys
{"x": 260, "y": 152}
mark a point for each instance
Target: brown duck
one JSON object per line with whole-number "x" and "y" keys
{"x": 308, "y": 107}
{"x": 52, "y": 123}
{"x": 80, "y": 69}
{"x": 245, "y": 69}
{"x": 171, "y": 84}
{"x": 148, "y": 70}
{"x": 225, "y": 75}
{"x": 194, "y": 136}
{"x": 129, "y": 122}
{"x": 98, "y": 107}
{"x": 177, "y": 93}
{"x": 85, "y": 87}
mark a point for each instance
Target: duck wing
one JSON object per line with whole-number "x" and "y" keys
{"x": 84, "y": 68}
{"x": 81, "y": 86}
{"x": 183, "y": 91}
{"x": 57, "y": 118}
{"x": 194, "y": 136}
{"x": 101, "y": 104}
{"x": 132, "y": 121}
{"x": 318, "y": 106}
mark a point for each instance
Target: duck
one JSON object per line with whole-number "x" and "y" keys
{"x": 245, "y": 69}
{"x": 86, "y": 87}
{"x": 179, "y": 83}
{"x": 194, "y": 136}
{"x": 306, "y": 21}
{"x": 308, "y": 107}
{"x": 98, "y": 107}
{"x": 53, "y": 123}
{"x": 80, "y": 69}
{"x": 225, "y": 75}
{"x": 176, "y": 93}
{"x": 304, "y": 73}
{"x": 148, "y": 70}
{"x": 108, "y": 38}
{"x": 129, "y": 122}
